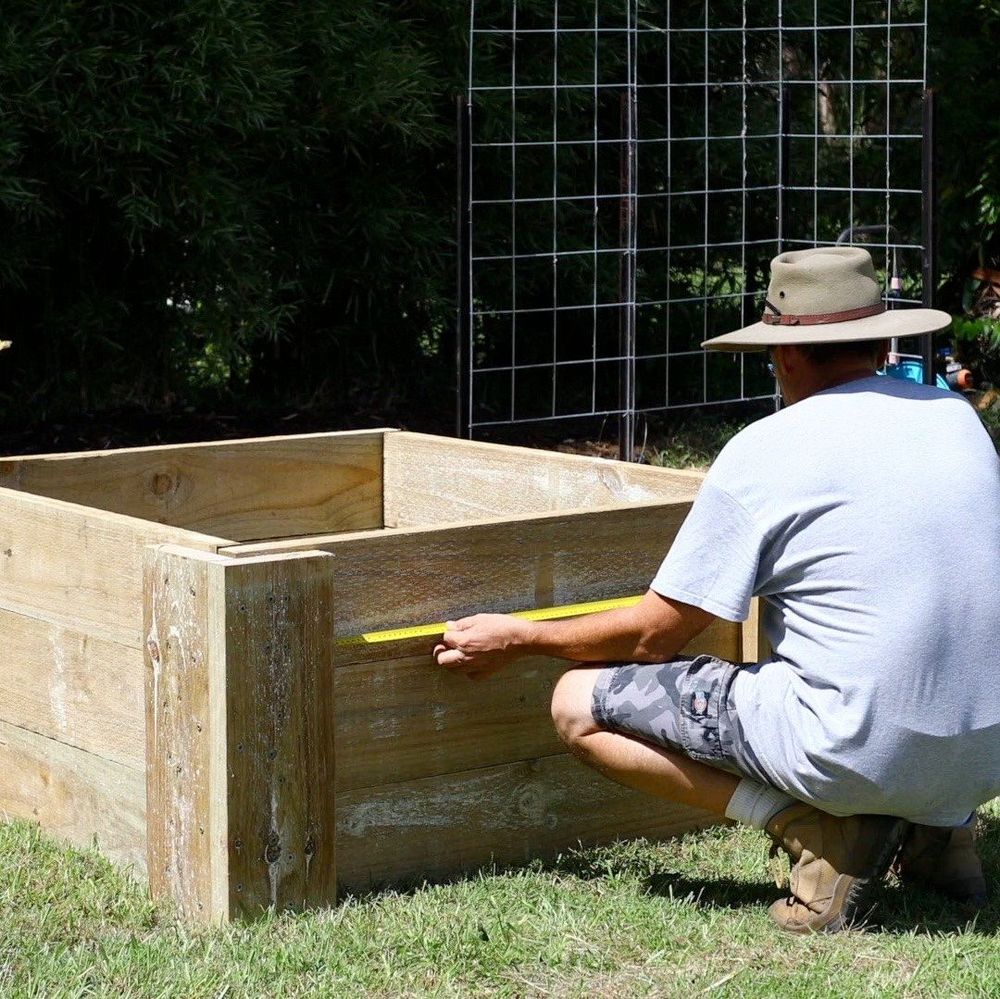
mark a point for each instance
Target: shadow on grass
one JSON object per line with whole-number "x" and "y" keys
{"x": 893, "y": 907}
{"x": 711, "y": 893}
{"x": 911, "y": 909}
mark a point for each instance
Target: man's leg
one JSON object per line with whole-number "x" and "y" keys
{"x": 945, "y": 860}
{"x": 834, "y": 859}
{"x": 629, "y": 761}
{"x": 660, "y": 771}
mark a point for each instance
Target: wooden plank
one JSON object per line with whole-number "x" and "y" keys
{"x": 186, "y": 768}
{"x": 263, "y": 488}
{"x": 74, "y": 795}
{"x": 426, "y": 575}
{"x": 240, "y": 738}
{"x": 388, "y": 579}
{"x": 276, "y": 546}
{"x": 441, "y": 480}
{"x": 439, "y": 827}
{"x": 753, "y": 644}
{"x": 65, "y": 685}
{"x": 407, "y": 718}
{"x": 76, "y": 567}
{"x": 280, "y": 725}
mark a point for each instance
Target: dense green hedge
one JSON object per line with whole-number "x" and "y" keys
{"x": 206, "y": 193}
{"x": 255, "y": 199}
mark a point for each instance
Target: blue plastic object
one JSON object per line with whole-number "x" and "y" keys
{"x": 912, "y": 370}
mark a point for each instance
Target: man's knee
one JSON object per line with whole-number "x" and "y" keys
{"x": 571, "y": 701}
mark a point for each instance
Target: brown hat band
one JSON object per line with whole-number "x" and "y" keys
{"x": 776, "y": 318}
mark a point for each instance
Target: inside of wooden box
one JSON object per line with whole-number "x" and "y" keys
{"x": 439, "y": 480}
{"x": 276, "y": 488}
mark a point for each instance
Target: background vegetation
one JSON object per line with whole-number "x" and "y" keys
{"x": 217, "y": 196}
{"x": 212, "y": 202}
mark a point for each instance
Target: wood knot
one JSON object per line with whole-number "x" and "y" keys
{"x": 162, "y": 483}
{"x": 153, "y": 648}
{"x": 165, "y": 487}
{"x": 530, "y": 803}
{"x": 272, "y": 853}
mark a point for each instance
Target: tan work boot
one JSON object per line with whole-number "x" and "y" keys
{"x": 945, "y": 860}
{"x": 833, "y": 861}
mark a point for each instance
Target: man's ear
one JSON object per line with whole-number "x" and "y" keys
{"x": 787, "y": 357}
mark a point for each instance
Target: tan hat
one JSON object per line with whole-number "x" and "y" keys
{"x": 827, "y": 295}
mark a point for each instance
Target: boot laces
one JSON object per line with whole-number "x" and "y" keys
{"x": 779, "y": 869}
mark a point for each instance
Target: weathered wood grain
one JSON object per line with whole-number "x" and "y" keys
{"x": 441, "y": 480}
{"x": 262, "y": 488}
{"x": 424, "y": 575}
{"x": 393, "y": 579}
{"x": 186, "y": 758}
{"x": 280, "y": 731}
{"x": 65, "y": 685}
{"x": 407, "y": 718}
{"x": 74, "y": 795}
{"x": 439, "y": 827}
{"x": 241, "y": 723}
{"x": 79, "y": 568}
{"x": 240, "y": 738}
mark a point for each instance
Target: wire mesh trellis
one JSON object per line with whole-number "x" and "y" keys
{"x": 629, "y": 168}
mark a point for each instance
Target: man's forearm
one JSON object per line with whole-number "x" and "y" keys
{"x": 606, "y": 637}
{"x": 651, "y": 631}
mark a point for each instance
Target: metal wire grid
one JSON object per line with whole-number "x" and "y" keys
{"x": 630, "y": 168}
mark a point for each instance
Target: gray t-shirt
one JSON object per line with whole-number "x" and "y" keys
{"x": 868, "y": 518}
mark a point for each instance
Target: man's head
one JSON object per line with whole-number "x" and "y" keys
{"x": 804, "y": 369}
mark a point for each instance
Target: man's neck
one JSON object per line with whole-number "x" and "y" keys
{"x": 853, "y": 374}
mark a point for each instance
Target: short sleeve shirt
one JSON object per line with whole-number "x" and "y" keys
{"x": 868, "y": 518}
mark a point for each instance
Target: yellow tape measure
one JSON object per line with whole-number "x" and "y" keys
{"x": 538, "y": 614}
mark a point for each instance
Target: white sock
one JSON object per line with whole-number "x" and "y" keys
{"x": 755, "y": 804}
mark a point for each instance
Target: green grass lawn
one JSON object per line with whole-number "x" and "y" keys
{"x": 682, "y": 918}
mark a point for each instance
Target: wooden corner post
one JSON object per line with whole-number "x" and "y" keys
{"x": 239, "y": 731}
{"x": 756, "y": 647}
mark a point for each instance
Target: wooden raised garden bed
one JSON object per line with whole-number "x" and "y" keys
{"x": 181, "y": 680}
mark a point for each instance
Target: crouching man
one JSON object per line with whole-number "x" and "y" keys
{"x": 873, "y": 731}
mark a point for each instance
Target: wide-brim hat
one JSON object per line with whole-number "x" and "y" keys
{"x": 827, "y": 295}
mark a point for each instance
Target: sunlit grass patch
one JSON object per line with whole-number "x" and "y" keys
{"x": 680, "y": 918}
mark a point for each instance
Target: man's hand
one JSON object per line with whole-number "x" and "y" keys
{"x": 650, "y": 631}
{"x": 483, "y": 644}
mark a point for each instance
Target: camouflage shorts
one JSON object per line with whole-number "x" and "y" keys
{"x": 683, "y": 704}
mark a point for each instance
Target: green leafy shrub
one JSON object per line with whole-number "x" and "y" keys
{"x": 212, "y": 195}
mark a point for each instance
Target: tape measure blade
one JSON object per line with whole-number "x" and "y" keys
{"x": 577, "y": 610}
{"x": 536, "y": 614}
{"x": 401, "y": 634}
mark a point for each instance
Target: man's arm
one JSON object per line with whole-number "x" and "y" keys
{"x": 653, "y": 630}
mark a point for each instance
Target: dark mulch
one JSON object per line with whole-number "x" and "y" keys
{"x": 135, "y": 428}
{"x": 138, "y": 427}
